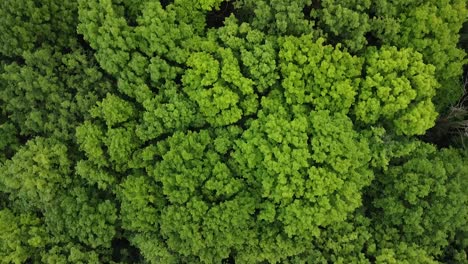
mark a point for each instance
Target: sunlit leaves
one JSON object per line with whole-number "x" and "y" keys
{"x": 324, "y": 77}
{"x": 209, "y": 131}
{"x": 397, "y": 88}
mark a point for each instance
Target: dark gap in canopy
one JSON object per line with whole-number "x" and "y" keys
{"x": 215, "y": 18}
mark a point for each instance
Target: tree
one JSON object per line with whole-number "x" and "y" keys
{"x": 142, "y": 131}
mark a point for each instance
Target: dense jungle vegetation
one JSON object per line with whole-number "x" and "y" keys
{"x": 233, "y": 131}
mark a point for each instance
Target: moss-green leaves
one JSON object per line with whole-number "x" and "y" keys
{"x": 114, "y": 110}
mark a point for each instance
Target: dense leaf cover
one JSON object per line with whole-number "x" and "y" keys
{"x": 247, "y": 131}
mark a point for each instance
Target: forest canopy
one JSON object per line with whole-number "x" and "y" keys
{"x": 233, "y": 131}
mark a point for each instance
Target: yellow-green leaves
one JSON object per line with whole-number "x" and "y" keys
{"x": 192, "y": 167}
{"x": 20, "y": 235}
{"x": 114, "y": 110}
{"x": 90, "y": 137}
{"x": 397, "y": 88}
{"x": 432, "y": 29}
{"x": 229, "y": 131}
{"x": 220, "y": 101}
{"x": 319, "y": 75}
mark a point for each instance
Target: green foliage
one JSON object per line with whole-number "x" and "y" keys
{"x": 39, "y": 181}
{"x": 9, "y": 141}
{"x": 276, "y": 17}
{"x": 19, "y": 236}
{"x": 26, "y": 25}
{"x": 36, "y": 172}
{"x": 321, "y": 76}
{"x": 53, "y": 79}
{"x": 422, "y": 199}
{"x": 430, "y": 28}
{"x": 399, "y": 87}
{"x": 210, "y": 131}
{"x": 346, "y": 21}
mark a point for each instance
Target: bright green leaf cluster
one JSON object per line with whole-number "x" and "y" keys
{"x": 399, "y": 87}
{"x": 321, "y": 76}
